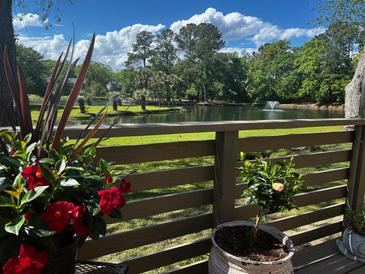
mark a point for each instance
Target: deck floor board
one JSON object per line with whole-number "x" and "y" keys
{"x": 325, "y": 258}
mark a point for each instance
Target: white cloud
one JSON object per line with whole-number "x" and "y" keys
{"x": 236, "y": 26}
{"x": 21, "y": 21}
{"x": 110, "y": 49}
{"x": 240, "y": 51}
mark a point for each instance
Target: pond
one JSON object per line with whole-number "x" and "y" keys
{"x": 228, "y": 113}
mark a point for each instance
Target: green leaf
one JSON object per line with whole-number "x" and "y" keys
{"x": 39, "y": 233}
{"x": 47, "y": 173}
{"x": 14, "y": 226}
{"x": 33, "y": 194}
{"x": 61, "y": 165}
{"x": 30, "y": 150}
{"x": 48, "y": 161}
{"x": 18, "y": 181}
{"x": 4, "y": 183}
{"x": 69, "y": 183}
{"x": 9, "y": 162}
{"x": 6, "y": 202}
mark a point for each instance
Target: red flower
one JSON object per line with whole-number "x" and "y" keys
{"x": 29, "y": 262}
{"x": 108, "y": 179}
{"x": 79, "y": 226}
{"x": 110, "y": 199}
{"x": 125, "y": 186}
{"x": 34, "y": 176}
{"x": 58, "y": 215}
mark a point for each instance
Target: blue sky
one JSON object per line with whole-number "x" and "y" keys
{"x": 245, "y": 24}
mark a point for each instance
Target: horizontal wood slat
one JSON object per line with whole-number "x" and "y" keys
{"x": 191, "y": 127}
{"x": 313, "y": 159}
{"x": 152, "y": 206}
{"x": 170, "y": 178}
{"x": 317, "y": 233}
{"x": 320, "y": 195}
{"x": 308, "y": 218}
{"x": 156, "y": 152}
{"x": 168, "y": 256}
{"x": 337, "y": 190}
{"x": 145, "y": 235}
{"x": 294, "y": 140}
{"x": 302, "y": 199}
{"x": 200, "y": 267}
{"x": 322, "y": 177}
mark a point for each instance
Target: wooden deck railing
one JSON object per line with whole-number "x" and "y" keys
{"x": 225, "y": 192}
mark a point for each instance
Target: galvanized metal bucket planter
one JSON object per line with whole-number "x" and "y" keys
{"x": 221, "y": 261}
{"x": 352, "y": 245}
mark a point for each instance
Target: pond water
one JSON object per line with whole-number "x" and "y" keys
{"x": 228, "y": 113}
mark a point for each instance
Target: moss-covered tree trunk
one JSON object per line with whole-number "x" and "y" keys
{"x": 6, "y": 40}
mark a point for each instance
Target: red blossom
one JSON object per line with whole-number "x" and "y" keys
{"x": 125, "y": 186}
{"x": 110, "y": 199}
{"x": 108, "y": 179}
{"x": 58, "y": 215}
{"x": 80, "y": 228}
{"x": 34, "y": 176}
{"x": 29, "y": 262}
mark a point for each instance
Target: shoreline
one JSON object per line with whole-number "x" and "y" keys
{"x": 333, "y": 107}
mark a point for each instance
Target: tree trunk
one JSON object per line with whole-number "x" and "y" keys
{"x": 353, "y": 90}
{"x": 6, "y": 39}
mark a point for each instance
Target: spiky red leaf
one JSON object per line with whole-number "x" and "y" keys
{"x": 74, "y": 93}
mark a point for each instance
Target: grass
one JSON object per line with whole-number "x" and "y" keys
{"x": 165, "y": 165}
{"x": 93, "y": 110}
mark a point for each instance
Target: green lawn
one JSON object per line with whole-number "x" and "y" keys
{"x": 92, "y": 110}
{"x": 135, "y": 140}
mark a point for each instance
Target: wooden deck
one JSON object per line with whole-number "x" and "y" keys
{"x": 180, "y": 233}
{"x": 325, "y": 258}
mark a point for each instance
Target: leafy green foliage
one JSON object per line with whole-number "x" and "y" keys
{"x": 270, "y": 185}
{"x": 355, "y": 218}
{"x": 263, "y": 176}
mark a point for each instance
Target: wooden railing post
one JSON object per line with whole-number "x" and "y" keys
{"x": 226, "y": 144}
{"x": 356, "y": 183}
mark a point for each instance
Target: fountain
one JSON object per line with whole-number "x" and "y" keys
{"x": 271, "y": 105}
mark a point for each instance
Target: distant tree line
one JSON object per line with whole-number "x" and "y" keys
{"x": 190, "y": 65}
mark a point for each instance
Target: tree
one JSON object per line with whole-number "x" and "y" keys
{"x": 230, "y": 77}
{"x": 200, "y": 43}
{"x": 35, "y": 69}
{"x": 141, "y": 49}
{"x": 165, "y": 54}
{"x": 187, "y": 38}
{"x": 347, "y": 11}
{"x": 126, "y": 79}
{"x": 7, "y": 40}
{"x": 270, "y": 73}
{"x": 99, "y": 75}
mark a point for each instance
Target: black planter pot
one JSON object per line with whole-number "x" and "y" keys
{"x": 61, "y": 261}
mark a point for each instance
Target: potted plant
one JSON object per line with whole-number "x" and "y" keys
{"x": 251, "y": 247}
{"x": 53, "y": 192}
{"x": 352, "y": 242}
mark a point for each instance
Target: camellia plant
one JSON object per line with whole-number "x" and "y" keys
{"x": 271, "y": 186}
{"x": 54, "y": 192}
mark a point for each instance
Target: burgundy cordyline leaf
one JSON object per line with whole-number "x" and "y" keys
{"x": 24, "y": 104}
{"x": 53, "y": 102}
{"x": 57, "y": 96}
{"x": 47, "y": 95}
{"x": 89, "y": 136}
{"x": 103, "y": 135}
{"x": 12, "y": 86}
{"x": 74, "y": 93}
{"x": 82, "y": 134}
